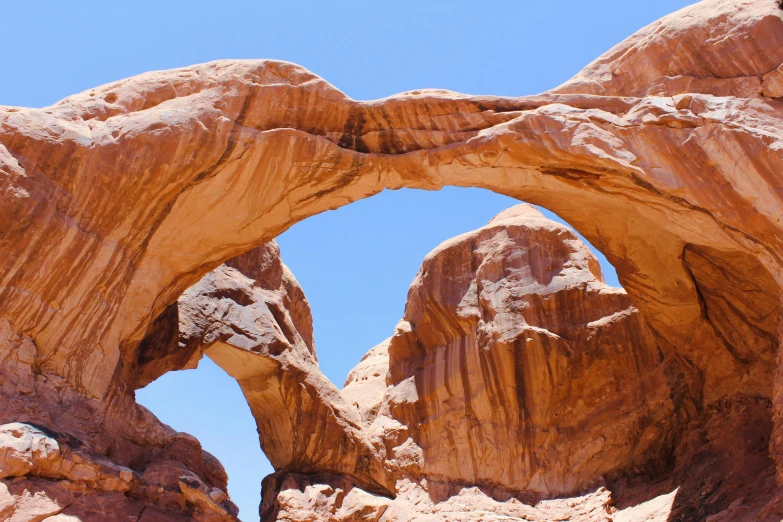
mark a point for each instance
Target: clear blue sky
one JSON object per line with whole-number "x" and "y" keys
{"x": 355, "y": 263}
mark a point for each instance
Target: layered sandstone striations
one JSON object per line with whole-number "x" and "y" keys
{"x": 518, "y": 375}
{"x": 666, "y": 153}
{"x": 516, "y": 367}
{"x": 251, "y": 317}
{"x": 117, "y": 469}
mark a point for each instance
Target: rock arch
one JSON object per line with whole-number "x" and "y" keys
{"x": 149, "y": 182}
{"x": 117, "y": 199}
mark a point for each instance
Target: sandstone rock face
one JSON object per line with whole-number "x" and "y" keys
{"x": 517, "y": 375}
{"x": 515, "y": 367}
{"x": 316, "y": 498}
{"x": 686, "y": 52}
{"x": 321, "y": 497}
{"x": 666, "y": 153}
{"x": 69, "y": 457}
{"x": 43, "y": 478}
{"x": 365, "y": 386}
{"x": 251, "y": 317}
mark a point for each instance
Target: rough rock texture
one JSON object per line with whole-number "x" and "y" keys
{"x": 688, "y": 52}
{"x": 666, "y": 153}
{"x": 251, "y": 317}
{"x": 47, "y": 476}
{"x": 319, "y": 498}
{"x": 516, "y": 367}
{"x": 517, "y": 375}
{"x": 365, "y": 385}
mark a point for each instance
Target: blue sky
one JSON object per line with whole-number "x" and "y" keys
{"x": 355, "y": 263}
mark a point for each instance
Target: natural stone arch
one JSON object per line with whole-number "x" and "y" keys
{"x": 233, "y": 158}
{"x": 119, "y": 198}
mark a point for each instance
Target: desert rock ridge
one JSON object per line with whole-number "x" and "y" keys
{"x": 665, "y": 153}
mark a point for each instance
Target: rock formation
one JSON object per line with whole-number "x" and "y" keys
{"x": 515, "y": 367}
{"x": 666, "y": 153}
{"x": 104, "y": 465}
{"x": 251, "y": 317}
{"x": 517, "y": 375}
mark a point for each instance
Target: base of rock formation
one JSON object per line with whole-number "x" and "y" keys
{"x": 55, "y": 478}
{"x": 722, "y": 473}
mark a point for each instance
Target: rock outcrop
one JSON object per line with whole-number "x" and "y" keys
{"x": 252, "y": 319}
{"x": 516, "y": 367}
{"x": 54, "y": 477}
{"x": 666, "y": 153}
{"x": 516, "y": 376}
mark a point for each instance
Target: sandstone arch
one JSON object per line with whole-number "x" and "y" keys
{"x": 663, "y": 153}
{"x": 151, "y": 181}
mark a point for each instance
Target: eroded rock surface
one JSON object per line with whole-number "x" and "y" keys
{"x": 666, "y": 153}
{"x": 48, "y": 476}
{"x": 251, "y": 317}
{"x": 516, "y": 367}
{"x": 516, "y": 376}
